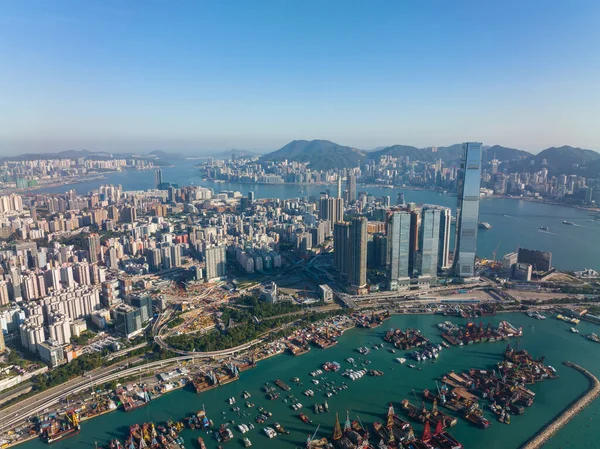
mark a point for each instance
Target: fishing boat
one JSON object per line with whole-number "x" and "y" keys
{"x": 201, "y": 443}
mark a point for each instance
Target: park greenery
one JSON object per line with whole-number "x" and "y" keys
{"x": 246, "y": 331}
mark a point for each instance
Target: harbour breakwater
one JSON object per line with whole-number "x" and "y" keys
{"x": 540, "y": 438}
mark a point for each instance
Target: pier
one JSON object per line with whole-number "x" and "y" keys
{"x": 540, "y": 438}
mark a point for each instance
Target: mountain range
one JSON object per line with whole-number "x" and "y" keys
{"x": 325, "y": 155}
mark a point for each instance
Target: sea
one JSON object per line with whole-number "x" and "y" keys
{"x": 367, "y": 399}
{"x": 515, "y": 223}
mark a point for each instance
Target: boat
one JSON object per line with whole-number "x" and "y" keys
{"x": 400, "y": 360}
{"x": 570, "y": 223}
{"x": 201, "y": 443}
{"x": 225, "y": 433}
{"x": 304, "y": 418}
{"x": 575, "y": 331}
{"x": 484, "y": 225}
{"x": 270, "y": 432}
{"x": 247, "y": 442}
{"x": 411, "y": 366}
{"x": 544, "y": 228}
{"x": 593, "y": 337}
{"x": 279, "y": 428}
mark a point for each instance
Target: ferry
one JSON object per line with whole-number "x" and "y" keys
{"x": 484, "y": 225}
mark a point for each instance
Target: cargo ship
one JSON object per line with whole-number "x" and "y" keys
{"x": 56, "y": 429}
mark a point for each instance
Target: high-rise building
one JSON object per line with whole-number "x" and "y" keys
{"x": 429, "y": 241}
{"x": 352, "y": 187}
{"x": 93, "y": 242}
{"x": 341, "y": 235}
{"x": 398, "y": 248}
{"x": 157, "y": 178}
{"x": 444, "y": 247}
{"x": 467, "y": 213}
{"x": 2, "y": 344}
{"x": 332, "y": 210}
{"x": 357, "y": 274}
{"x": 216, "y": 262}
{"x": 339, "y": 186}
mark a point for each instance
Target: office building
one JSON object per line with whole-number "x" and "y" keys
{"x": 128, "y": 320}
{"x": 51, "y": 352}
{"x": 216, "y": 262}
{"x": 444, "y": 246}
{"x": 352, "y": 187}
{"x": 398, "y": 248}
{"x": 467, "y": 213}
{"x": 357, "y": 252}
{"x": 539, "y": 260}
{"x": 429, "y": 242}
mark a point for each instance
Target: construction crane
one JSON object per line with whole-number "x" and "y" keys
{"x": 495, "y": 252}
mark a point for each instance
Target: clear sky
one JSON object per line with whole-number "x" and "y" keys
{"x": 195, "y": 76}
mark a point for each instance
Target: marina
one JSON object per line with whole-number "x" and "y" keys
{"x": 366, "y": 397}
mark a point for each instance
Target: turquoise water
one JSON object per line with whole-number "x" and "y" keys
{"x": 515, "y": 223}
{"x": 368, "y": 397}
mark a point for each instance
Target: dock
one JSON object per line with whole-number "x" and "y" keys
{"x": 561, "y": 420}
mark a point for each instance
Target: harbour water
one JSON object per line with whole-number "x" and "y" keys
{"x": 369, "y": 397}
{"x": 515, "y": 223}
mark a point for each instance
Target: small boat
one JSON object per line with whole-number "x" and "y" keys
{"x": 247, "y": 442}
{"x": 270, "y": 432}
{"x": 570, "y": 223}
{"x": 544, "y": 228}
{"x": 411, "y": 366}
{"x": 484, "y": 225}
{"x": 304, "y": 418}
{"x": 575, "y": 331}
{"x": 400, "y": 360}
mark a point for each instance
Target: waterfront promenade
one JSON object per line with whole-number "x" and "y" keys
{"x": 540, "y": 438}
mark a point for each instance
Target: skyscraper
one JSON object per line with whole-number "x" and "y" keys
{"x": 357, "y": 273}
{"x": 398, "y": 248}
{"x": 352, "y": 187}
{"x": 429, "y": 240}
{"x": 339, "y": 186}
{"x": 157, "y": 178}
{"x": 216, "y": 262}
{"x": 331, "y": 209}
{"x": 444, "y": 247}
{"x": 467, "y": 213}
{"x": 341, "y": 235}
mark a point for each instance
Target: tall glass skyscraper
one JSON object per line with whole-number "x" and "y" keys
{"x": 398, "y": 248}
{"x": 467, "y": 213}
{"x": 429, "y": 241}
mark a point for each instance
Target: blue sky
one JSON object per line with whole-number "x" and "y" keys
{"x": 197, "y": 76}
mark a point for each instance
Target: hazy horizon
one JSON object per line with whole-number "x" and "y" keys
{"x": 205, "y": 77}
{"x": 208, "y": 152}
